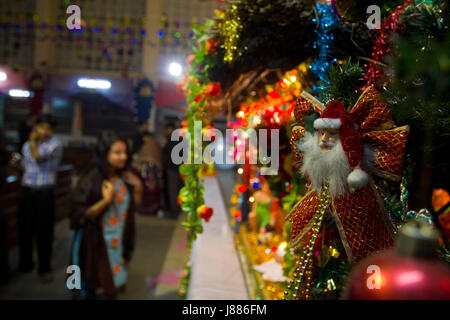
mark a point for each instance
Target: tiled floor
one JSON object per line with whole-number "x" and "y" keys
{"x": 154, "y": 237}
{"x": 154, "y": 270}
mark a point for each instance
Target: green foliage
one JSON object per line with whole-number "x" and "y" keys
{"x": 277, "y": 34}
{"x": 192, "y": 194}
{"x": 394, "y": 206}
{"x": 419, "y": 92}
{"x": 289, "y": 259}
{"x": 343, "y": 83}
{"x": 298, "y": 185}
{"x": 336, "y": 270}
{"x": 309, "y": 121}
{"x": 425, "y": 22}
{"x": 359, "y": 8}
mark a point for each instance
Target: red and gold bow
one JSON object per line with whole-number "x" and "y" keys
{"x": 376, "y": 126}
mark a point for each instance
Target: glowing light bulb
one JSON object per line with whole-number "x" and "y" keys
{"x": 175, "y": 69}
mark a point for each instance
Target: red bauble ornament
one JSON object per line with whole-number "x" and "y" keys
{"x": 408, "y": 272}
{"x": 211, "y": 45}
{"x": 400, "y": 278}
{"x": 205, "y": 213}
{"x": 242, "y": 188}
{"x": 213, "y": 89}
{"x": 198, "y": 97}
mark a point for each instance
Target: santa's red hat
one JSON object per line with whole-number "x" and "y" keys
{"x": 336, "y": 116}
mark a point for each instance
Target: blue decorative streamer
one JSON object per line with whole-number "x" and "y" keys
{"x": 325, "y": 38}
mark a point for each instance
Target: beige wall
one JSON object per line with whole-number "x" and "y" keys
{"x": 154, "y": 58}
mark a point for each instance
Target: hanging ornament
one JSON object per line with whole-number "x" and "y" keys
{"x": 205, "y": 212}
{"x": 242, "y": 188}
{"x": 411, "y": 271}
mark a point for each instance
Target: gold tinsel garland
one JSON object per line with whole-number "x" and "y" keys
{"x": 300, "y": 287}
{"x": 230, "y": 30}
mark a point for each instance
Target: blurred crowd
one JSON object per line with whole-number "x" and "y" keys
{"x": 129, "y": 175}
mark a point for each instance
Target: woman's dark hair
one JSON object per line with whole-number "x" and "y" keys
{"x": 48, "y": 119}
{"x": 103, "y": 148}
{"x": 138, "y": 142}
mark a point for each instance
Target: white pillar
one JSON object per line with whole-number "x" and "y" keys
{"x": 150, "y": 55}
{"x": 153, "y": 118}
{"x": 77, "y": 121}
{"x": 44, "y": 51}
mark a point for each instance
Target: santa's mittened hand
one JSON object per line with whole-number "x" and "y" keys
{"x": 357, "y": 179}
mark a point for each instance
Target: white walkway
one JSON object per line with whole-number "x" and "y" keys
{"x": 216, "y": 272}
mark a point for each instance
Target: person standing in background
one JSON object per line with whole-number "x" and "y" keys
{"x": 42, "y": 155}
{"x": 173, "y": 180}
{"x": 102, "y": 215}
{"x": 4, "y": 265}
{"x": 137, "y": 138}
{"x": 147, "y": 164}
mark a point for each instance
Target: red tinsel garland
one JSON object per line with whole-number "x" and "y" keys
{"x": 374, "y": 74}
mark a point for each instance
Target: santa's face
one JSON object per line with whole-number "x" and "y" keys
{"x": 328, "y": 138}
{"x": 324, "y": 161}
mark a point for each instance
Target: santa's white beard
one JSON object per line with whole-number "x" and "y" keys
{"x": 324, "y": 166}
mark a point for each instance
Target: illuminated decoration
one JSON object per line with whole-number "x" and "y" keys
{"x": 283, "y": 84}
{"x": 231, "y": 29}
{"x": 240, "y": 171}
{"x": 256, "y": 120}
{"x": 19, "y": 93}
{"x": 94, "y": 83}
{"x": 175, "y": 69}
{"x": 242, "y": 188}
{"x": 3, "y": 76}
{"x": 256, "y": 185}
{"x": 275, "y": 109}
{"x": 237, "y": 214}
{"x": 327, "y": 22}
{"x": 382, "y": 47}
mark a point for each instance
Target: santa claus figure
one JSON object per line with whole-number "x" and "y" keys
{"x": 342, "y": 215}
